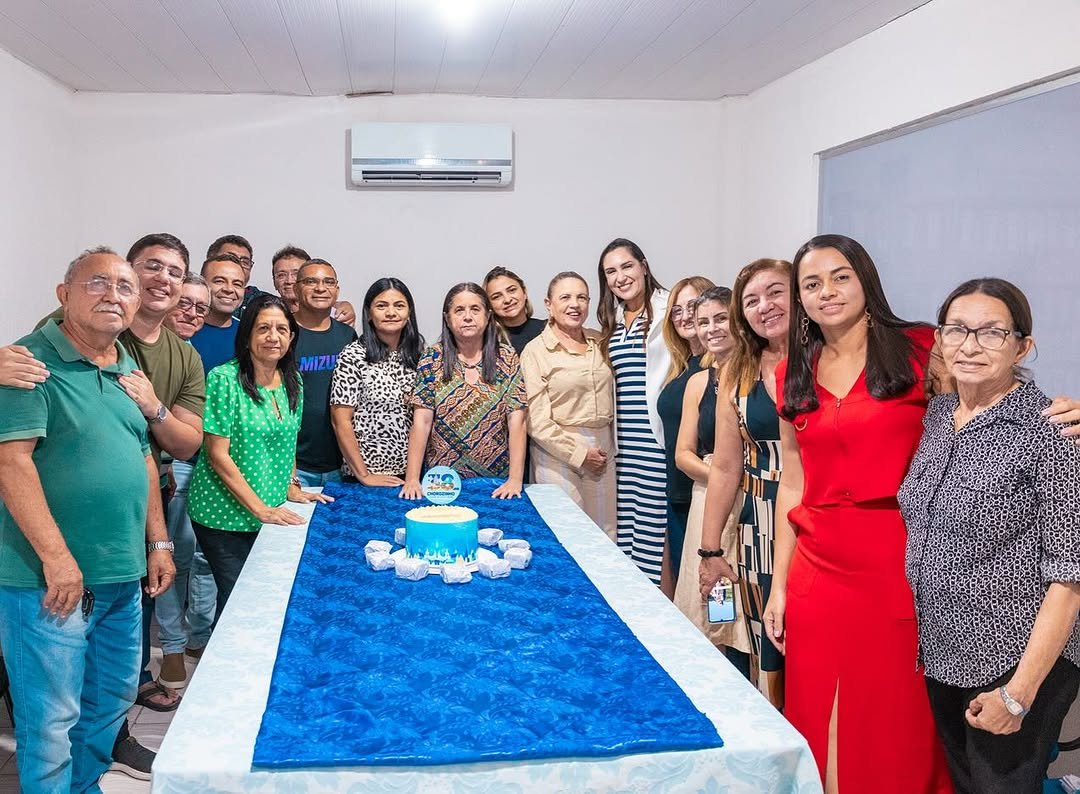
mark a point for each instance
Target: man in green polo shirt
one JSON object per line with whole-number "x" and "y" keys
{"x": 80, "y": 495}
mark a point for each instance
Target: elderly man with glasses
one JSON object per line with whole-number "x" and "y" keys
{"x": 72, "y": 531}
{"x": 168, "y": 387}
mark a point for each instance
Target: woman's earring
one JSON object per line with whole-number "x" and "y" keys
{"x": 869, "y": 320}
{"x": 804, "y": 325}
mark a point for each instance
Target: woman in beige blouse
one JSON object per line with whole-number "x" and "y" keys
{"x": 571, "y": 403}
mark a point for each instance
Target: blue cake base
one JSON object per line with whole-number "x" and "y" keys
{"x": 442, "y": 543}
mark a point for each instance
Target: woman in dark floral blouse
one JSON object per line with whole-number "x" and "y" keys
{"x": 992, "y": 506}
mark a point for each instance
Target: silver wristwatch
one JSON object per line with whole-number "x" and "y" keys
{"x": 160, "y": 545}
{"x": 1013, "y": 706}
{"x": 158, "y": 417}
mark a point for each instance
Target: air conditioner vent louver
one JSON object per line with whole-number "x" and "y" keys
{"x": 428, "y": 176}
{"x": 431, "y": 155}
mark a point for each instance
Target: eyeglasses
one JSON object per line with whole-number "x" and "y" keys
{"x": 311, "y": 281}
{"x": 677, "y": 311}
{"x": 286, "y": 275}
{"x": 99, "y": 285}
{"x": 155, "y": 266}
{"x": 246, "y": 262}
{"x": 187, "y": 304}
{"x": 989, "y": 338}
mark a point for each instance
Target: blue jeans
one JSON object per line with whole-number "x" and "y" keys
{"x": 315, "y": 479}
{"x": 194, "y": 588}
{"x": 72, "y": 680}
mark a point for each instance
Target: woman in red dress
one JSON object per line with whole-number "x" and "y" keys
{"x": 853, "y": 393}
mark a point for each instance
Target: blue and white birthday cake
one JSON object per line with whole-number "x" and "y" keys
{"x": 442, "y": 534}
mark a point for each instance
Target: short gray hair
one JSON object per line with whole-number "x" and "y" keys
{"x": 191, "y": 277}
{"x": 89, "y": 252}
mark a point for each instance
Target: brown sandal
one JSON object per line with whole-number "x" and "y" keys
{"x": 155, "y": 697}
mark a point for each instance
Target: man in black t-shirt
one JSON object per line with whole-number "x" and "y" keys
{"x": 322, "y": 338}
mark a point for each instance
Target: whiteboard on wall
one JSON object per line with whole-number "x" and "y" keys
{"x": 992, "y": 193}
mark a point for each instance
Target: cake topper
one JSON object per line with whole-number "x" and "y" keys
{"x": 441, "y": 485}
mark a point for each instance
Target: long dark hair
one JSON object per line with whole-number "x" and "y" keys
{"x": 605, "y": 306}
{"x": 290, "y": 375}
{"x": 490, "y": 360}
{"x": 890, "y": 370}
{"x": 411, "y": 343}
{"x": 500, "y": 271}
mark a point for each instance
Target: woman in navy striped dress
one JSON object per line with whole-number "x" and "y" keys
{"x": 630, "y": 311}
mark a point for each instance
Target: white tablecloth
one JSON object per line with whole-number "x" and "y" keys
{"x": 210, "y": 744}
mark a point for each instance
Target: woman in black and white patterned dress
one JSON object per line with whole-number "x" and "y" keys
{"x": 993, "y": 550}
{"x": 373, "y": 384}
{"x": 631, "y": 309}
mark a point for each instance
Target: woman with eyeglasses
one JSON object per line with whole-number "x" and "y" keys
{"x": 469, "y": 402}
{"x": 374, "y": 378}
{"x": 247, "y": 468}
{"x": 685, "y": 349}
{"x": 993, "y": 549}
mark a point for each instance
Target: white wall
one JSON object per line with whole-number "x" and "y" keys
{"x": 273, "y": 169}
{"x": 704, "y": 187}
{"x": 944, "y": 54}
{"x": 37, "y": 218}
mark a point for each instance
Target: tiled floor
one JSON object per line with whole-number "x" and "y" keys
{"x": 146, "y": 725}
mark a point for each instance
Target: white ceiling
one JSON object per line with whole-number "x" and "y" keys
{"x": 663, "y": 49}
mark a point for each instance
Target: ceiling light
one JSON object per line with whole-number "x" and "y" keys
{"x": 457, "y": 13}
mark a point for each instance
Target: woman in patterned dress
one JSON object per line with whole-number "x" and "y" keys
{"x": 371, "y": 394}
{"x": 629, "y": 310}
{"x": 746, "y": 460}
{"x": 469, "y": 401}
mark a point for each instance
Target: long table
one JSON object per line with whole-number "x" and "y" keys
{"x": 210, "y": 744}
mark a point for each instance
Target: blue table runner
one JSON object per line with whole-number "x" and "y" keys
{"x": 375, "y": 670}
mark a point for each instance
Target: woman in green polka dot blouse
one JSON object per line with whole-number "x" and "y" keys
{"x": 247, "y": 469}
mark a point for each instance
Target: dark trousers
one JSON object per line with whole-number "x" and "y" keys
{"x": 678, "y": 513}
{"x": 226, "y": 552}
{"x": 986, "y": 763}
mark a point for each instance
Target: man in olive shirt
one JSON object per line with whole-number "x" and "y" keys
{"x": 72, "y": 532}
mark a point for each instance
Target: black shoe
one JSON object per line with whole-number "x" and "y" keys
{"x": 132, "y": 759}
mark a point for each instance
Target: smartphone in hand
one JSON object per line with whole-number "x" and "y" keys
{"x": 721, "y": 602}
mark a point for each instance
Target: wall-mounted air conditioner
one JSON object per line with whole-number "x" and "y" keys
{"x": 432, "y": 155}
